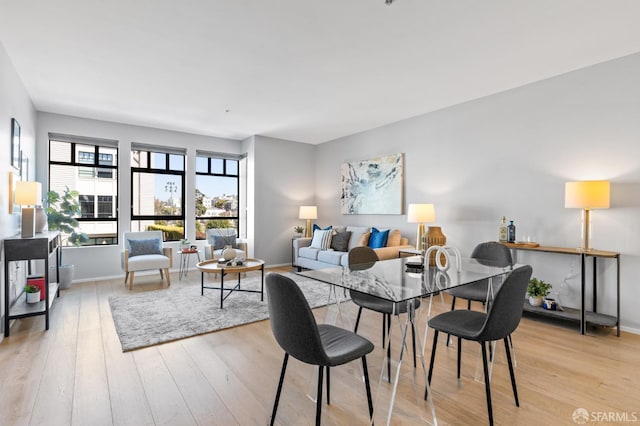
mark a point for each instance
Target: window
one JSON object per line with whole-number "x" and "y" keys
{"x": 157, "y": 192}
{"x": 105, "y": 205}
{"x": 87, "y": 205}
{"x": 90, "y": 167}
{"x": 217, "y": 194}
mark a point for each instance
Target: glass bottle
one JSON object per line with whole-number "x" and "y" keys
{"x": 503, "y": 235}
{"x": 511, "y": 232}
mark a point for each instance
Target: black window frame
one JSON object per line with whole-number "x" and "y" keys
{"x": 166, "y": 170}
{"x": 225, "y": 173}
{"x": 85, "y": 142}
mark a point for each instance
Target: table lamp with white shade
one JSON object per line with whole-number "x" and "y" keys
{"x": 29, "y": 195}
{"x": 308, "y": 213}
{"x": 420, "y": 214}
{"x": 587, "y": 195}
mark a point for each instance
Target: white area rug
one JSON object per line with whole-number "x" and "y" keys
{"x": 150, "y": 318}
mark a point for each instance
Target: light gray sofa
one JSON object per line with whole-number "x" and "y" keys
{"x": 305, "y": 256}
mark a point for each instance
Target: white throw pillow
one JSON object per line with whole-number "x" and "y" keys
{"x": 321, "y": 239}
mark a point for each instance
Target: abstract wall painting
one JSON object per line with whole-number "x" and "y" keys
{"x": 373, "y": 186}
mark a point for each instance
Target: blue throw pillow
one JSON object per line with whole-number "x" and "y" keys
{"x": 221, "y": 241}
{"x": 317, "y": 228}
{"x": 146, "y": 246}
{"x": 378, "y": 239}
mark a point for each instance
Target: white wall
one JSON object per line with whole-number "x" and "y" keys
{"x": 14, "y": 103}
{"x": 510, "y": 154}
{"x": 104, "y": 261}
{"x": 284, "y": 180}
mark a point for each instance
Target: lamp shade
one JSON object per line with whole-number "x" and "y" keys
{"x": 421, "y": 213}
{"x": 592, "y": 194}
{"x": 28, "y": 193}
{"x": 308, "y": 212}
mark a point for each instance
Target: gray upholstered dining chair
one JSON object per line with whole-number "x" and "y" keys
{"x": 497, "y": 323}
{"x": 362, "y": 258}
{"x": 296, "y": 331}
{"x": 490, "y": 253}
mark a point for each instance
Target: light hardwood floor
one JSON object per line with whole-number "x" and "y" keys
{"x": 76, "y": 373}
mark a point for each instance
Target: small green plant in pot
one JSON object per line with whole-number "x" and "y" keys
{"x": 537, "y": 290}
{"x": 62, "y": 211}
{"x": 298, "y": 230}
{"x": 33, "y": 293}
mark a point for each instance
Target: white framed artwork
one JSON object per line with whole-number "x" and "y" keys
{"x": 373, "y": 186}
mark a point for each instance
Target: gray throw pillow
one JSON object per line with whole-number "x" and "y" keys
{"x": 221, "y": 241}
{"x": 340, "y": 241}
{"x": 146, "y": 246}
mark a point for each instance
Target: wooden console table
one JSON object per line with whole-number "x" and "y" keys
{"x": 584, "y": 316}
{"x": 41, "y": 246}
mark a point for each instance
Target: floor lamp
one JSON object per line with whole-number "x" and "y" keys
{"x": 308, "y": 213}
{"x": 587, "y": 195}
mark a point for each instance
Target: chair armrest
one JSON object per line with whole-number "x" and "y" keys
{"x": 243, "y": 245}
{"x": 385, "y": 253}
{"x": 298, "y": 243}
{"x": 168, "y": 251}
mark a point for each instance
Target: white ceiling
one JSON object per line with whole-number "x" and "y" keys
{"x": 304, "y": 70}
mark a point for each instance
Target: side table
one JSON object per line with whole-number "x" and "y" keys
{"x": 410, "y": 252}
{"x": 185, "y": 257}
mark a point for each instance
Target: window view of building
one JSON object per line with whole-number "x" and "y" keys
{"x": 157, "y": 192}
{"x": 217, "y": 194}
{"x": 90, "y": 168}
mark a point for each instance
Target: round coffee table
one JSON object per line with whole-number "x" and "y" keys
{"x": 212, "y": 266}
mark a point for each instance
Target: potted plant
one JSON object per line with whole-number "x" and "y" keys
{"x": 298, "y": 231}
{"x": 537, "y": 290}
{"x": 33, "y": 293}
{"x": 62, "y": 211}
{"x": 185, "y": 244}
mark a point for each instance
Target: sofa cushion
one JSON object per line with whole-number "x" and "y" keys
{"x": 308, "y": 252}
{"x": 331, "y": 256}
{"x": 378, "y": 238}
{"x": 142, "y": 247}
{"x": 321, "y": 239}
{"x": 340, "y": 241}
{"x": 363, "y": 240}
{"x": 357, "y": 233}
{"x": 394, "y": 238}
{"x": 150, "y": 261}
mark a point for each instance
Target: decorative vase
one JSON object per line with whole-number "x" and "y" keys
{"x": 228, "y": 253}
{"x": 41, "y": 220}
{"x": 33, "y": 297}
{"x": 434, "y": 237}
{"x": 66, "y": 276}
{"x": 535, "y": 300}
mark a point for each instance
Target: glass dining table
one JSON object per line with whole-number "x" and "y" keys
{"x": 402, "y": 281}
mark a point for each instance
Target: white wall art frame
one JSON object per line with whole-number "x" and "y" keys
{"x": 373, "y": 186}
